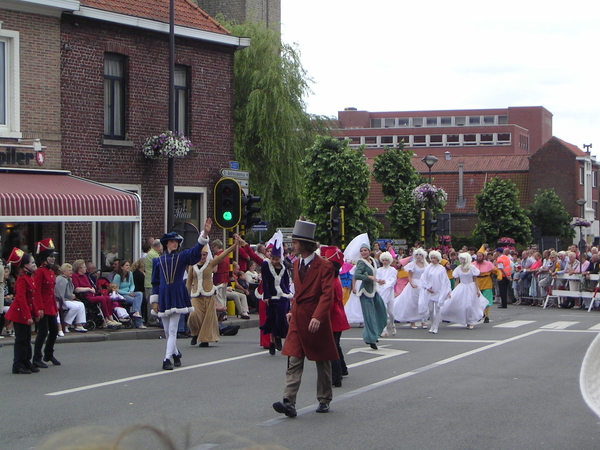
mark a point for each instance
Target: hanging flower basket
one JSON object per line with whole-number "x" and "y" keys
{"x": 506, "y": 242}
{"x": 428, "y": 193}
{"x": 169, "y": 144}
{"x": 581, "y": 223}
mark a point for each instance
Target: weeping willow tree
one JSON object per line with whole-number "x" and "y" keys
{"x": 271, "y": 128}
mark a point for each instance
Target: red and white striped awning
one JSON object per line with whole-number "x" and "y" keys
{"x": 34, "y": 196}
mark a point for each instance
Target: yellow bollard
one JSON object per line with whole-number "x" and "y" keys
{"x": 230, "y": 308}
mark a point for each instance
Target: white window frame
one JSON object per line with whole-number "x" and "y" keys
{"x": 12, "y": 128}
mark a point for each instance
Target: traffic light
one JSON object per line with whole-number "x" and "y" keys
{"x": 227, "y": 203}
{"x": 433, "y": 226}
{"x": 250, "y": 210}
{"x": 336, "y": 222}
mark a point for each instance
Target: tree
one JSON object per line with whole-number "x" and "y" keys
{"x": 271, "y": 128}
{"x": 548, "y": 213}
{"x": 394, "y": 171}
{"x": 337, "y": 175}
{"x": 500, "y": 214}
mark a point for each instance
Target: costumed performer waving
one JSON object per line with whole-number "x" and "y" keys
{"x": 170, "y": 297}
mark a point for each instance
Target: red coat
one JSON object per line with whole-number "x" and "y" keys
{"x": 222, "y": 273}
{"x": 339, "y": 322}
{"x": 45, "y": 281}
{"x": 26, "y": 304}
{"x": 312, "y": 298}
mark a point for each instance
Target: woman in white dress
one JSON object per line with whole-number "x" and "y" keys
{"x": 435, "y": 289}
{"x": 406, "y": 305}
{"x": 466, "y": 304}
{"x": 389, "y": 275}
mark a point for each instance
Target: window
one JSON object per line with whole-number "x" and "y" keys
{"x": 181, "y": 99}
{"x": 503, "y": 138}
{"x": 594, "y": 178}
{"x": 460, "y": 121}
{"x": 387, "y": 139}
{"x": 470, "y": 139}
{"x": 114, "y": 96}
{"x": 453, "y": 139}
{"x": 404, "y": 139}
{"x": 489, "y": 120}
{"x": 354, "y": 140}
{"x": 436, "y": 140}
{"x": 432, "y": 121}
{"x": 403, "y": 122}
{"x": 502, "y": 120}
{"x": 595, "y": 206}
{"x": 474, "y": 120}
{"x": 487, "y": 139}
{"x": 371, "y": 141}
{"x": 10, "y": 112}
{"x": 420, "y": 141}
{"x": 116, "y": 238}
{"x": 581, "y": 175}
{"x": 523, "y": 142}
{"x": 418, "y": 122}
{"x": 389, "y": 123}
{"x": 375, "y": 123}
{"x": 446, "y": 121}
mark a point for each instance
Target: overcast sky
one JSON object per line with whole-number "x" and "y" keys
{"x": 401, "y": 55}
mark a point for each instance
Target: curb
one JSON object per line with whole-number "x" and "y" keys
{"x": 125, "y": 334}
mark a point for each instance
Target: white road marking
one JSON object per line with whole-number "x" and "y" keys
{"x": 558, "y": 325}
{"x": 595, "y": 327}
{"x": 437, "y": 340}
{"x": 384, "y": 353}
{"x": 153, "y": 374}
{"x": 387, "y": 381}
{"x": 514, "y": 324}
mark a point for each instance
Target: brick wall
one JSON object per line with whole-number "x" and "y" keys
{"x": 39, "y": 39}
{"x": 267, "y": 11}
{"x": 211, "y": 109}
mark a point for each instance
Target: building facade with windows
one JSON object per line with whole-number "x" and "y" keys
{"x": 110, "y": 70}
{"x": 473, "y": 146}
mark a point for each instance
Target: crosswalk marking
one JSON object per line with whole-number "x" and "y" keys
{"x": 514, "y": 324}
{"x": 562, "y": 325}
{"x": 595, "y": 327}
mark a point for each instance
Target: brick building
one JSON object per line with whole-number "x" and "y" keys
{"x": 111, "y": 75}
{"x": 265, "y": 11}
{"x": 473, "y": 146}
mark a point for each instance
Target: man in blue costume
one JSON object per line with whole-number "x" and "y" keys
{"x": 170, "y": 297}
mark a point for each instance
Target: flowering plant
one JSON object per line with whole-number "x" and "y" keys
{"x": 167, "y": 144}
{"x": 581, "y": 223}
{"x": 428, "y": 193}
{"x": 507, "y": 241}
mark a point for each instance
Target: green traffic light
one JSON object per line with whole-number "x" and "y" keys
{"x": 227, "y": 215}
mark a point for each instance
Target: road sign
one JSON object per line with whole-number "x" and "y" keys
{"x": 261, "y": 226}
{"x": 235, "y": 174}
{"x": 234, "y": 165}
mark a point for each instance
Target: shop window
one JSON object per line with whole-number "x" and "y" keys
{"x": 116, "y": 241}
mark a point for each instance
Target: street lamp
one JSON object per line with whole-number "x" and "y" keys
{"x": 581, "y": 202}
{"x": 430, "y": 160}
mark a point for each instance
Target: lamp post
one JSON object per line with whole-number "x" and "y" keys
{"x": 429, "y": 161}
{"x": 581, "y": 202}
{"x": 171, "y": 162}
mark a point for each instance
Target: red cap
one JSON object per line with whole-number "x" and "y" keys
{"x": 16, "y": 256}
{"x": 333, "y": 254}
{"x": 44, "y": 245}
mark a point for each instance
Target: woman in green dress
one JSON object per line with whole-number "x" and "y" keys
{"x": 371, "y": 303}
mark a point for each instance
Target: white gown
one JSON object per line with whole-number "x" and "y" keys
{"x": 389, "y": 275}
{"x": 464, "y": 306}
{"x": 406, "y": 305}
{"x": 352, "y": 307}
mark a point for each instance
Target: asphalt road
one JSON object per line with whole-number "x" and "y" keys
{"x": 509, "y": 384}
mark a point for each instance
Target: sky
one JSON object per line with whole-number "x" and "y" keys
{"x": 399, "y": 55}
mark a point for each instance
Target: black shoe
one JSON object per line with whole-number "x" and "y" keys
{"x": 177, "y": 359}
{"x": 286, "y": 408}
{"x": 194, "y": 340}
{"x": 502, "y": 307}
{"x": 337, "y": 384}
{"x": 278, "y": 345}
{"x": 22, "y": 370}
{"x": 203, "y": 344}
{"x": 323, "y": 408}
{"x": 167, "y": 364}
{"x": 345, "y": 372}
{"x": 53, "y": 360}
{"x": 272, "y": 348}
{"x": 230, "y": 330}
{"x": 486, "y": 320}
{"x": 39, "y": 363}
{"x": 33, "y": 369}
{"x": 373, "y": 346}
{"x": 182, "y": 335}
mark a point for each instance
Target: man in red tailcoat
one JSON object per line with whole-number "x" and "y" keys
{"x": 309, "y": 333}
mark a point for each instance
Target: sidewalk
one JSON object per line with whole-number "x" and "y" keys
{"x": 128, "y": 334}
